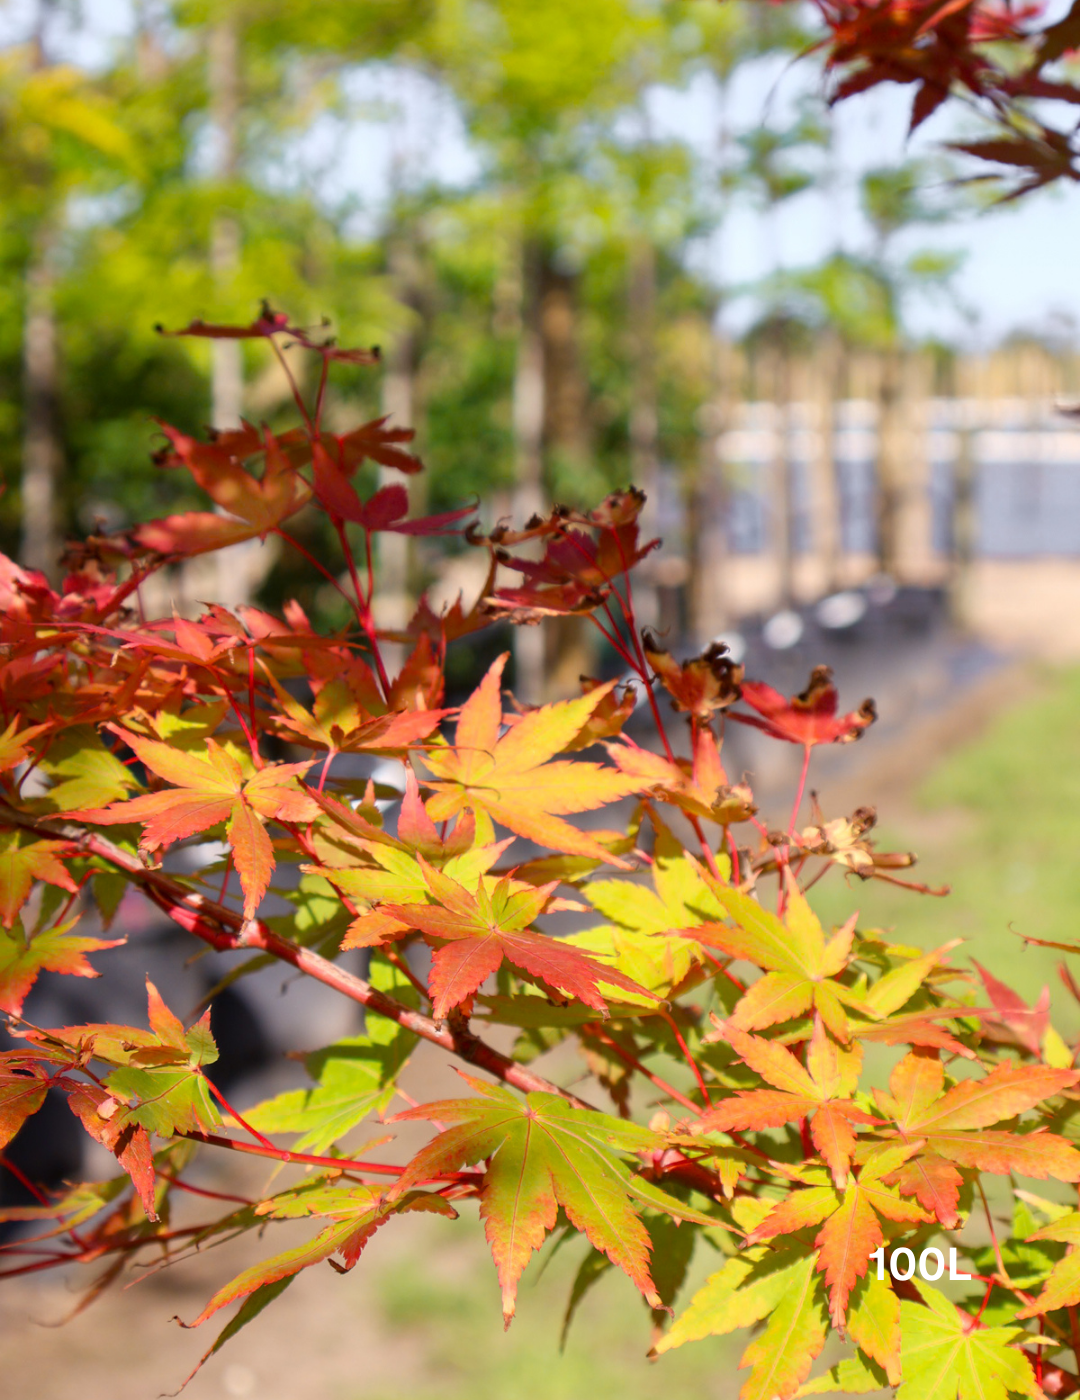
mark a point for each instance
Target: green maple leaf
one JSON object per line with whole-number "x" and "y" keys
{"x": 741, "y": 1293}
{"x": 1062, "y": 1288}
{"x": 874, "y": 1324}
{"x": 794, "y": 1335}
{"x": 354, "y": 1077}
{"x": 21, "y": 863}
{"x": 86, "y": 774}
{"x": 156, "y": 1082}
{"x": 853, "y": 1376}
{"x": 800, "y": 967}
{"x": 642, "y": 936}
{"x": 162, "y": 1088}
{"x": 946, "y": 1355}
{"x": 545, "y": 1154}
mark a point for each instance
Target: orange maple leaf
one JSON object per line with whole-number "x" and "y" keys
{"x": 953, "y": 1125}
{"x": 510, "y": 779}
{"x": 851, "y": 1229}
{"x": 822, "y": 1088}
{"x": 474, "y": 933}
{"x": 206, "y": 791}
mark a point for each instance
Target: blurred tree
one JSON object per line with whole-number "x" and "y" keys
{"x": 62, "y": 142}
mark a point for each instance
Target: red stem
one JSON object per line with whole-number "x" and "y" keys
{"x": 800, "y": 790}
{"x": 363, "y": 608}
{"x": 298, "y": 398}
{"x": 599, "y": 1034}
{"x": 203, "y": 1190}
{"x": 279, "y": 1154}
{"x": 666, "y": 1016}
{"x": 290, "y": 539}
{"x": 227, "y": 1106}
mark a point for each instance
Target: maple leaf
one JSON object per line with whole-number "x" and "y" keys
{"x": 583, "y": 554}
{"x": 823, "y": 1088}
{"x": 353, "y": 1077}
{"x": 474, "y": 933}
{"x": 851, "y": 1231}
{"x": 800, "y": 967}
{"x": 608, "y": 718}
{"x": 544, "y": 1153}
{"x": 855, "y": 1375}
{"x": 641, "y": 938}
{"x": 698, "y": 687}
{"x": 257, "y": 505}
{"x": 1062, "y": 1288}
{"x": 83, "y": 770}
{"x": 948, "y": 1355}
{"x": 698, "y": 786}
{"x": 743, "y": 1292}
{"x": 23, "y": 1087}
{"x": 160, "y": 1085}
{"x": 128, "y": 1142}
{"x": 510, "y": 779}
{"x": 874, "y": 1324}
{"x": 338, "y": 721}
{"x": 1028, "y": 1025}
{"x": 794, "y": 1335}
{"x": 952, "y": 1125}
{"x": 15, "y": 744}
{"x": 394, "y": 874}
{"x": 206, "y": 792}
{"x": 156, "y": 1084}
{"x": 808, "y": 718}
{"x": 23, "y": 957}
{"x": 21, "y": 863}
{"x": 268, "y": 323}
{"x": 356, "y": 1213}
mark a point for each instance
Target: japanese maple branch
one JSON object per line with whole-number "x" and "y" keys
{"x": 227, "y": 931}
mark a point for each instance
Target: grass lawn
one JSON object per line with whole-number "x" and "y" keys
{"x": 998, "y": 819}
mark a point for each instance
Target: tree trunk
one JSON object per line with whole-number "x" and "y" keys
{"x": 402, "y": 359}
{"x": 781, "y": 484}
{"x": 528, "y": 419}
{"x": 890, "y": 464}
{"x": 239, "y": 568}
{"x": 569, "y": 648}
{"x": 827, "y": 374}
{"x": 644, "y": 412}
{"x": 227, "y": 376}
{"x": 42, "y": 452}
{"x": 707, "y": 533}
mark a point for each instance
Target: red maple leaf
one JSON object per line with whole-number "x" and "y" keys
{"x": 809, "y": 718}
{"x": 474, "y": 933}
